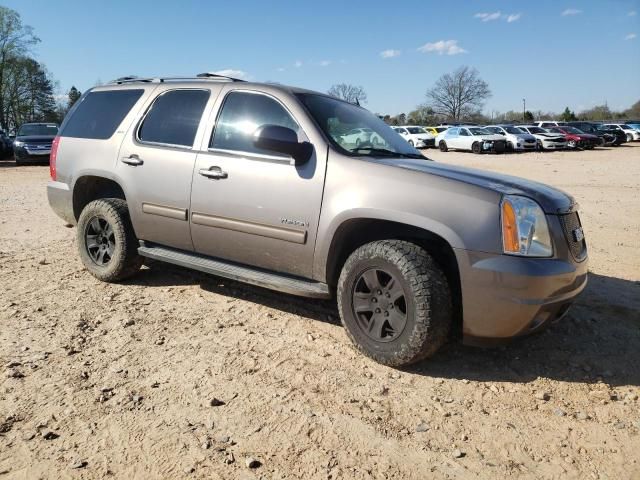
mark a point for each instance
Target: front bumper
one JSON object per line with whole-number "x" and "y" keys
{"x": 506, "y": 296}
{"x": 550, "y": 145}
{"x": 61, "y": 201}
{"x": 23, "y": 154}
{"x": 425, "y": 143}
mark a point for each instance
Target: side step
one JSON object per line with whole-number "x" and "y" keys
{"x": 241, "y": 273}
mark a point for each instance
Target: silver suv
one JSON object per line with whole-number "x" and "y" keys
{"x": 258, "y": 183}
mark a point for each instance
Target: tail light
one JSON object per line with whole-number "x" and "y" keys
{"x": 53, "y": 156}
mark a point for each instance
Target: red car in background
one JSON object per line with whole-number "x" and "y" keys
{"x": 577, "y": 138}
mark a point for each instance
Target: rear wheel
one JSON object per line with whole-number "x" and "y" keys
{"x": 106, "y": 241}
{"x": 443, "y": 146}
{"x": 394, "y": 302}
{"x": 476, "y": 147}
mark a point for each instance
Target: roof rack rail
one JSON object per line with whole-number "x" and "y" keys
{"x": 217, "y": 75}
{"x": 199, "y": 77}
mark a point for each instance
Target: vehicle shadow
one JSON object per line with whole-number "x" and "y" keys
{"x": 599, "y": 339}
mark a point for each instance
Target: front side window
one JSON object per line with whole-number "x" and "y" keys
{"x": 242, "y": 114}
{"x": 464, "y": 132}
{"x": 174, "y": 118}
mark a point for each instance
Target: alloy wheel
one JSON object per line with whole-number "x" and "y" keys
{"x": 379, "y": 305}
{"x": 100, "y": 241}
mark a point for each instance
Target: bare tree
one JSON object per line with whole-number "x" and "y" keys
{"x": 459, "y": 94}
{"x": 350, "y": 93}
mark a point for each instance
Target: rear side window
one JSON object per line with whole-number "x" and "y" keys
{"x": 174, "y": 118}
{"x": 242, "y": 114}
{"x": 98, "y": 114}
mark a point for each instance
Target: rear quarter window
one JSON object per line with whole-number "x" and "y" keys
{"x": 99, "y": 114}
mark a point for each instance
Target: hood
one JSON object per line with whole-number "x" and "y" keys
{"x": 35, "y": 138}
{"x": 551, "y": 199}
{"x": 423, "y": 136}
{"x": 490, "y": 137}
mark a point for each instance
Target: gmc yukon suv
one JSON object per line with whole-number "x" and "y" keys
{"x": 255, "y": 182}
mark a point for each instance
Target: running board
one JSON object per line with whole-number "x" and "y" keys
{"x": 241, "y": 273}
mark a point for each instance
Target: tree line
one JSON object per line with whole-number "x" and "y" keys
{"x": 460, "y": 96}
{"x": 27, "y": 89}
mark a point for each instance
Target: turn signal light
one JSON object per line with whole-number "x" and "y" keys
{"x": 510, "y": 240}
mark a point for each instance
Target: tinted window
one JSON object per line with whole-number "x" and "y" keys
{"x": 98, "y": 114}
{"x": 174, "y": 117}
{"x": 35, "y": 129}
{"x": 242, "y": 114}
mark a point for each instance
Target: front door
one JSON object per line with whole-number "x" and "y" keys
{"x": 156, "y": 163}
{"x": 253, "y": 206}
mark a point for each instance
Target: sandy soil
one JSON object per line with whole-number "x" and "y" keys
{"x": 176, "y": 374}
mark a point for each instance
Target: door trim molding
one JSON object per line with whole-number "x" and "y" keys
{"x": 271, "y": 231}
{"x": 165, "y": 211}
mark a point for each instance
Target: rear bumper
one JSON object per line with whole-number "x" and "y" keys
{"x": 506, "y": 296}
{"x": 61, "y": 201}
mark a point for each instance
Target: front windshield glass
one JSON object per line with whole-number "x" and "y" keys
{"x": 339, "y": 120}
{"x": 571, "y": 130}
{"x": 479, "y": 131}
{"x": 38, "y": 129}
{"x": 536, "y": 130}
{"x": 497, "y": 130}
{"x": 514, "y": 130}
{"x": 415, "y": 130}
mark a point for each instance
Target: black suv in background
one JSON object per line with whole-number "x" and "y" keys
{"x": 609, "y": 136}
{"x": 33, "y": 142}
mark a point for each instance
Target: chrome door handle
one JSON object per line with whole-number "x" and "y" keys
{"x": 133, "y": 160}
{"x": 213, "y": 172}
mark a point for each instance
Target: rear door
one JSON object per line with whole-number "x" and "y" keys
{"x": 156, "y": 164}
{"x": 259, "y": 209}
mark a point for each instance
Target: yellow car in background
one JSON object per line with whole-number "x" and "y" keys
{"x": 435, "y": 130}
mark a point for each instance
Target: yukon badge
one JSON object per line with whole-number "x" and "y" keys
{"x": 297, "y": 223}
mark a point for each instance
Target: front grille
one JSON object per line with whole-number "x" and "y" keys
{"x": 529, "y": 140}
{"x": 571, "y": 226}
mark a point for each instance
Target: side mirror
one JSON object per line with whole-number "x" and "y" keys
{"x": 283, "y": 140}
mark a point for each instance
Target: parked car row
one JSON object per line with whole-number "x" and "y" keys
{"x": 545, "y": 135}
{"x": 32, "y": 143}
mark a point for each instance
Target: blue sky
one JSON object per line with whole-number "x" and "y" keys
{"x": 553, "y": 53}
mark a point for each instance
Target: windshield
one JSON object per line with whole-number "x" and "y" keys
{"x": 38, "y": 129}
{"x": 479, "y": 131}
{"x": 497, "y": 130}
{"x": 415, "y": 130}
{"x": 514, "y": 130}
{"x": 571, "y": 130}
{"x": 536, "y": 130}
{"x": 339, "y": 119}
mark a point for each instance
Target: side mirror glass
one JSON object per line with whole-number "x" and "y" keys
{"x": 283, "y": 140}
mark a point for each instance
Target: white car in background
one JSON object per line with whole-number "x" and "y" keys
{"x": 549, "y": 124}
{"x": 546, "y": 140}
{"x": 631, "y": 133}
{"x": 476, "y": 139}
{"x": 359, "y": 136}
{"x": 516, "y": 139}
{"x": 416, "y": 136}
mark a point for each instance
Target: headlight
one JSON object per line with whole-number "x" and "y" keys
{"x": 525, "y": 230}
{"x": 17, "y": 143}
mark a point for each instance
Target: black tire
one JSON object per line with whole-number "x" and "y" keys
{"x": 426, "y": 300}
{"x": 476, "y": 148}
{"x": 510, "y": 147}
{"x": 443, "y": 146}
{"x": 18, "y": 162}
{"x": 118, "y": 244}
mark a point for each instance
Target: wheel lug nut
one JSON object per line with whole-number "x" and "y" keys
{"x": 386, "y": 314}
{"x": 374, "y": 300}
{"x": 391, "y": 306}
{"x": 378, "y": 310}
{"x": 388, "y": 295}
{"x": 379, "y": 292}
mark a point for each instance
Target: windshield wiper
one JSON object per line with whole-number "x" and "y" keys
{"x": 387, "y": 153}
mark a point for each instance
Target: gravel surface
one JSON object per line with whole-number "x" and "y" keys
{"x": 176, "y": 374}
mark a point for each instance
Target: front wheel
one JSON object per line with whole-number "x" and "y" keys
{"x": 394, "y": 302}
{"x": 106, "y": 241}
{"x": 443, "y": 146}
{"x": 476, "y": 148}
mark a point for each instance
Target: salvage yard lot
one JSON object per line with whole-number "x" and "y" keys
{"x": 119, "y": 380}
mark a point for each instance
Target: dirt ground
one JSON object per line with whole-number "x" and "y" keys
{"x": 176, "y": 374}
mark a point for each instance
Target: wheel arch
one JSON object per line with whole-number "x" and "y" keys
{"x": 353, "y": 233}
{"x": 93, "y": 186}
